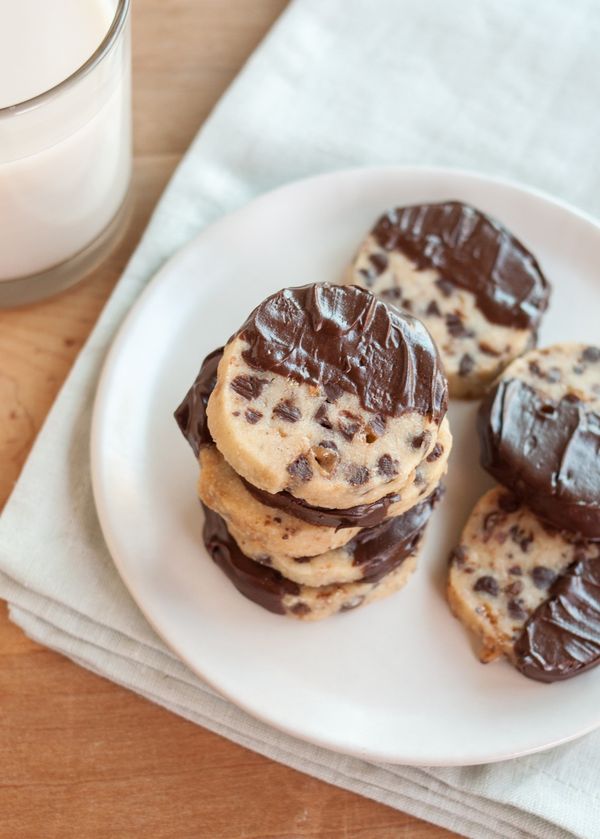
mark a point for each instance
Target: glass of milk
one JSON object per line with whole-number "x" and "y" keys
{"x": 65, "y": 140}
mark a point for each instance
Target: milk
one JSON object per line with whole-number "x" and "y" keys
{"x": 64, "y": 165}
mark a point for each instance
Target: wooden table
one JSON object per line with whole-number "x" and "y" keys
{"x": 79, "y": 756}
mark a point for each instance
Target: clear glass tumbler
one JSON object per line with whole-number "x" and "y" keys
{"x": 65, "y": 168}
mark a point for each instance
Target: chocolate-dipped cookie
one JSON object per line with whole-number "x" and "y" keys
{"x": 539, "y": 429}
{"x": 526, "y": 591}
{"x": 329, "y": 394}
{"x": 274, "y": 592}
{"x": 425, "y": 478}
{"x": 478, "y": 290}
{"x": 370, "y": 551}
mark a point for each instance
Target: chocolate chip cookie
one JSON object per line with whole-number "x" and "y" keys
{"x": 478, "y": 290}
{"x": 329, "y": 394}
{"x": 526, "y": 591}
{"x": 540, "y": 434}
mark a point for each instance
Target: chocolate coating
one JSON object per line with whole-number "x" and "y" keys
{"x": 191, "y": 414}
{"x": 474, "y": 252}
{"x": 379, "y": 551}
{"x": 547, "y": 452}
{"x": 363, "y": 515}
{"x": 562, "y": 637}
{"x": 378, "y": 548}
{"x": 342, "y": 338}
{"x": 263, "y": 585}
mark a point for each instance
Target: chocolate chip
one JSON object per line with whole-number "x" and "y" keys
{"x": 516, "y": 610}
{"x": 445, "y": 286}
{"x": 515, "y": 570}
{"x": 322, "y": 418}
{"x": 578, "y": 369}
{"x": 536, "y": 370}
{"x": 379, "y": 261}
{"x": 300, "y": 468}
{"x": 375, "y": 428}
{"x": 407, "y": 305}
{"x": 467, "y": 364}
{"x": 591, "y": 354}
{"x": 520, "y": 537}
{"x": 287, "y": 411}
{"x": 332, "y": 391}
{"x": 387, "y": 466}
{"x": 358, "y": 475}
{"x": 252, "y": 416}
{"x": 488, "y": 349}
{"x": 437, "y": 451}
{"x": 348, "y": 424}
{"x": 433, "y": 310}
{"x": 458, "y": 557}
{"x": 487, "y": 584}
{"x": 508, "y": 502}
{"x": 456, "y": 327}
{"x": 418, "y": 440}
{"x": 248, "y": 387}
{"x": 393, "y": 293}
{"x": 543, "y": 577}
{"x": 300, "y": 609}
{"x": 491, "y": 520}
{"x": 276, "y": 519}
{"x": 514, "y": 588}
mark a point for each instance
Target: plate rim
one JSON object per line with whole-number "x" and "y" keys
{"x": 101, "y": 398}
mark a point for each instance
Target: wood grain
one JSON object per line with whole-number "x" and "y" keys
{"x": 80, "y": 756}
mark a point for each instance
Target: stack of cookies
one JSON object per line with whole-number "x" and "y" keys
{"x": 525, "y": 578}
{"x": 322, "y": 437}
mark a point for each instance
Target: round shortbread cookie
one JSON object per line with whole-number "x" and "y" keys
{"x": 425, "y": 478}
{"x": 480, "y": 293}
{"x": 505, "y": 570}
{"x": 266, "y": 529}
{"x": 329, "y": 394}
{"x": 540, "y": 434}
{"x": 274, "y": 592}
{"x": 370, "y": 550}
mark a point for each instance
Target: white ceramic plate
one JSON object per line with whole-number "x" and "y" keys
{"x": 396, "y": 681}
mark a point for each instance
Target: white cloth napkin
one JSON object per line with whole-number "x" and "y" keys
{"x": 507, "y": 87}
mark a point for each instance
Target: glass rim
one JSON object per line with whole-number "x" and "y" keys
{"x": 88, "y": 65}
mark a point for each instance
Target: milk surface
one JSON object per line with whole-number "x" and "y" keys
{"x": 65, "y": 165}
{"x": 44, "y": 41}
